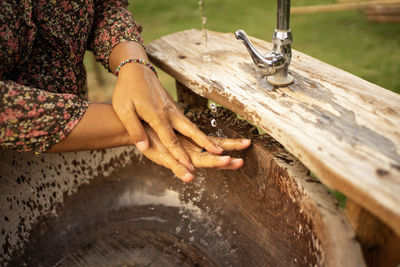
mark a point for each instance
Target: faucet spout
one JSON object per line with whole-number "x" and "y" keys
{"x": 275, "y": 63}
{"x": 269, "y": 64}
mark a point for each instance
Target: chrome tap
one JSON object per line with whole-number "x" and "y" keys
{"x": 275, "y": 63}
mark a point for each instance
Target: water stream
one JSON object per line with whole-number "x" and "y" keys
{"x": 203, "y": 19}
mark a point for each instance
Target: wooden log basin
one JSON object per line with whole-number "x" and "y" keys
{"x": 116, "y": 208}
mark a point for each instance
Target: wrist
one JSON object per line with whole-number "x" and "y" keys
{"x": 124, "y": 51}
{"x": 135, "y": 61}
{"x": 133, "y": 71}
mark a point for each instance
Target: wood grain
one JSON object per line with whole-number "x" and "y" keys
{"x": 345, "y": 129}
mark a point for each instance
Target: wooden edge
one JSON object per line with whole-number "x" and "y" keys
{"x": 334, "y": 234}
{"x": 339, "y": 7}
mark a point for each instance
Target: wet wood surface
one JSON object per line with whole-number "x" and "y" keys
{"x": 344, "y": 129}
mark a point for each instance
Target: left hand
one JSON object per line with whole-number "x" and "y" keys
{"x": 158, "y": 153}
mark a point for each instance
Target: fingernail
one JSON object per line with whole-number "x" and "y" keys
{"x": 237, "y": 161}
{"x": 246, "y": 141}
{"x": 187, "y": 177}
{"x": 142, "y": 146}
{"x": 225, "y": 158}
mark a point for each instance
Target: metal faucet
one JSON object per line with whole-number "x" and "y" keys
{"x": 275, "y": 63}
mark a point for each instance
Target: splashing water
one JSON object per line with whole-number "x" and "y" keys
{"x": 214, "y": 123}
{"x": 213, "y": 107}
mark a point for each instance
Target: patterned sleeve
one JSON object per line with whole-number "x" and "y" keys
{"x": 33, "y": 119}
{"x": 30, "y": 118}
{"x": 113, "y": 24}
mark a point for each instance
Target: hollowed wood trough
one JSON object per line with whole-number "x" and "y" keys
{"x": 116, "y": 208}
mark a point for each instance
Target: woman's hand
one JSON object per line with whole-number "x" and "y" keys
{"x": 139, "y": 95}
{"x": 158, "y": 153}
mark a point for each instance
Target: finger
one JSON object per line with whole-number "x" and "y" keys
{"x": 177, "y": 168}
{"x": 231, "y": 144}
{"x": 189, "y": 129}
{"x": 160, "y": 155}
{"x": 234, "y": 164}
{"x": 170, "y": 141}
{"x": 208, "y": 160}
{"x": 134, "y": 127}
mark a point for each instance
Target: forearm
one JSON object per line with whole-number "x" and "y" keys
{"x": 99, "y": 128}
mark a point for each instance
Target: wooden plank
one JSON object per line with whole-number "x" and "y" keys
{"x": 393, "y": 10}
{"x": 384, "y": 19}
{"x": 340, "y": 7}
{"x": 383, "y": 13}
{"x": 343, "y": 128}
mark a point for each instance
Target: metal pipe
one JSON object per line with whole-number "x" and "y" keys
{"x": 283, "y": 15}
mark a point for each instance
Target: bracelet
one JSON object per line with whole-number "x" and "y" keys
{"x": 135, "y": 60}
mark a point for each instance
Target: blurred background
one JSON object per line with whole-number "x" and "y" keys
{"x": 363, "y": 41}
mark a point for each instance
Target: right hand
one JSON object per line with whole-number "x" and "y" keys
{"x": 139, "y": 95}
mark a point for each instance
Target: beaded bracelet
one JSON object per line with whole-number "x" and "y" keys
{"x": 135, "y": 60}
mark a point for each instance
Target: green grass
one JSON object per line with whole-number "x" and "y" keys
{"x": 343, "y": 39}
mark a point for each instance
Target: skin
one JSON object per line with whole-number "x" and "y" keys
{"x": 139, "y": 95}
{"x": 90, "y": 133}
{"x": 144, "y": 114}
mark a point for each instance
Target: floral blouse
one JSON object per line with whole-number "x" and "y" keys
{"x": 43, "y": 89}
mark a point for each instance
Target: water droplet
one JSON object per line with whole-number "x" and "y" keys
{"x": 191, "y": 239}
{"x": 178, "y": 230}
{"x": 213, "y": 123}
{"x": 213, "y": 107}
